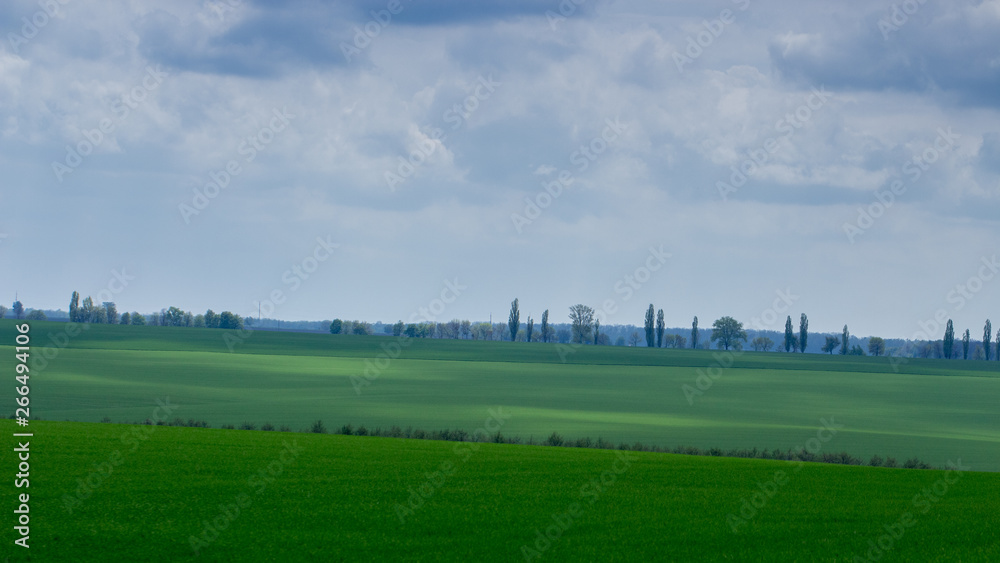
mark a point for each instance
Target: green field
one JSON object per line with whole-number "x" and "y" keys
{"x": 337, "y": 498}
{"x": 932, "y": 409}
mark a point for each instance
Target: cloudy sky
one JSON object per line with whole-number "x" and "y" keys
{"x": 359, "y": 159}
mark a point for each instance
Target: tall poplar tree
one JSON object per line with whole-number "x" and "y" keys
{"x": 660, "y": 327}
{"x": 650, "y": 330}
{"x": 803, "y": 332}
{"x": 514, "y": 320}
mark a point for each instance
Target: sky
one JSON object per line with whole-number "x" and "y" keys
{"x": 435, "y": 159}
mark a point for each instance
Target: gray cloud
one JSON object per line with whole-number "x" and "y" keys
{"x": 655, "y": 183}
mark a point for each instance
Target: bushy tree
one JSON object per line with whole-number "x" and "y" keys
{"x": 174, "y": 316}
{"x": 728, "y": 332}
{"x": 18, "y": 310}
{"x": 582, "y": 322}
{"x": 137, "y": 319}
{"x": 3, "y": 311}
{"x": 35, "y": 315}
{"x": 762, "y": 344}
{"x": 876, "y": 346}
{"x": 228, "y": 320}
{"x": 111, "y": 311}
{"x": 127, "y": 318}
{"x": 948, "y": 343}
{"x": 337, "y": 326}
{"x": 86, "y": 312}
{"x": 211, "y": 319}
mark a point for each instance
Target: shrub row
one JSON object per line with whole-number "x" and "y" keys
{"x": 556, "y": 440}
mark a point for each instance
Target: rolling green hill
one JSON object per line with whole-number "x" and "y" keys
{"x": 109, "y": 492}
{"x": 935, "y": 410}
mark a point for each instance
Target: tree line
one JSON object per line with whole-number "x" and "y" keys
{"x": 584, "y": 328}
{"x": 107, "y": 313}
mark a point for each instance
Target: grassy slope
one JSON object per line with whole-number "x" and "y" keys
{"x": 336, "y": 502}
{"x": 932, "y": 409}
